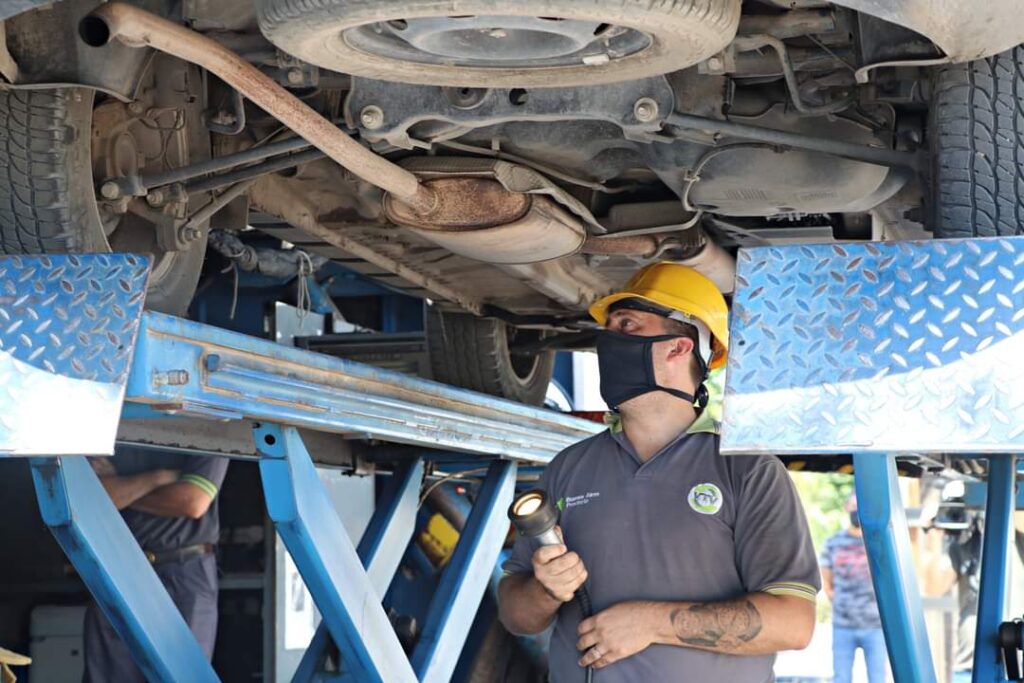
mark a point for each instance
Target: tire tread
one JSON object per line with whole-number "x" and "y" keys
{"x": 472, "y": 353}
{"x": 977, "y": 134}
{"x": 36, "y": 211}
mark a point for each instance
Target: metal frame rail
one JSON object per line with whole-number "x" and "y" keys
{"x": 889, "y": 350}
{"x": 76, "y": 349}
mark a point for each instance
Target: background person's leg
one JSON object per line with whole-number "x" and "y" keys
{"x": 193, "y": 587}
{"x": 844, "y": 645}
{"x": 875, "y": 655}
{"x": 107, "y": 658}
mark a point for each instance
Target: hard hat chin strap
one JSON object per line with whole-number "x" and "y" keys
{"x": 699, "y": 398}
{"x": 703, "y": 355}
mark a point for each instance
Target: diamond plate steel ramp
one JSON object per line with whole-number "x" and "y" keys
{"x": 68, "y": 326}
{"x": 896, "y": 347}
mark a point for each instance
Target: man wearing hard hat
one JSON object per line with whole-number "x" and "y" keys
{"x": 699, "y": 567}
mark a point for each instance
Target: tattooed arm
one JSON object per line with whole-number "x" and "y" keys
{"x": 754, "y": 624}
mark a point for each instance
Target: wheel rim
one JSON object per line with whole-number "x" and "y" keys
{"x": 496, "y": 41}
{"x": 524, "y": 367}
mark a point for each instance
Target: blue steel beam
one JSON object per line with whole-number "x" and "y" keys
{"x": 884, "y": 522}
{"x": 96, "y": 539}
{"x": 534, "y": 646}
{"x": 977, "y": 493}
{"x": 465, "y": 579}
{"x": 380, "y": 550}
{"x": 224, "y": 375}
{"x": 327, "y": 560}
{"x": 383, "y": 543}
{"x": 999, "y": 506}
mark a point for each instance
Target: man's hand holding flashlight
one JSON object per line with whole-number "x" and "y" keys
{"x": 558, "y": 571}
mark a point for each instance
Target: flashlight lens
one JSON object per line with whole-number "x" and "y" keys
{"x": 527, "y": 505}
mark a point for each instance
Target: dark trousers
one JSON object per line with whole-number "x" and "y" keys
{"x": 192, "y": 585}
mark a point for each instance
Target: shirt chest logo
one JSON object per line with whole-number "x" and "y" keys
{"x": 576, "y": 501}
{"x": 705, "y": 499}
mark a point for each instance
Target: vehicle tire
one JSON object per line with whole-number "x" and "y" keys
{"x": 47, "y": 196}
{"x": 441, "y": 44}
{"x": 977, "y": 147}
{"x": 473, "y": 353}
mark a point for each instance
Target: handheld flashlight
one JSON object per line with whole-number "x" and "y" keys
{"x": 535, "y": 516}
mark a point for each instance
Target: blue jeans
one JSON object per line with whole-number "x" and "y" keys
{"x": 962, "y": 676}
{"x": 845, "y": 642}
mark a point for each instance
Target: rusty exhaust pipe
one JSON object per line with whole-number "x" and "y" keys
{"x": 138, "y": 28}
{"x": 643, "y": 246}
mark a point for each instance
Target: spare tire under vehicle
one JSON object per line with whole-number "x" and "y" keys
{"x": 474, "y": 353}
{"x": 497, "y": 43}
{"x": 977, "y": 147}
{"x": 48, "y": 199}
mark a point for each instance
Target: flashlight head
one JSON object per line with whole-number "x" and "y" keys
{"x": 533, "y": 513}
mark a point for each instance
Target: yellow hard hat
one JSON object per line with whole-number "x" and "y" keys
{"x": 683, "y": 290}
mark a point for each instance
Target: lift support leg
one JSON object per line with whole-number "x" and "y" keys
{"x": 96, "y": 539}
{"x": 347, "y": 598}
{"x": 380, "y": 550}
{"x": 327, "y": 560}
{"x": 466, "y": 577}
{"x": 892, "y": 570}
{"x": 999, "y": 506}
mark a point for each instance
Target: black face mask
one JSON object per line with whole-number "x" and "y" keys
{"x": 855, "y": 520}
{"x": 626, "y": 363}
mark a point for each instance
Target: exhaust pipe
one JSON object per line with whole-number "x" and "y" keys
{"x": 138, "y": 28}
{"x": 711, "y": 261}
{"x": 642, "y": 246}
{"x": 716, "y": 264}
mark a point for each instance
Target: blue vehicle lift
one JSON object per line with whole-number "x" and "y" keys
{"x": 883, "y": 351}
{"x": 74, "y": 340}
{"x": 888, "y": 351}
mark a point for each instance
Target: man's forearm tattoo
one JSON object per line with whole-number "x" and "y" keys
{"x": 719, "y": 626}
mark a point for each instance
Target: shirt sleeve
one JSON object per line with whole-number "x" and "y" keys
{"x": 204, "y": 472}
{"x": 774, "y": 552}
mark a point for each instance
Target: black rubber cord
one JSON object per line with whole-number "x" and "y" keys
{"x": 583, "y": 599}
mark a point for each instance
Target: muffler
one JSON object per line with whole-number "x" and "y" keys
{"x": 480, "y": 219}
{"x": 521, "y": 219}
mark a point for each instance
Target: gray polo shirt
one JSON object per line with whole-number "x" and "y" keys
{"x": 687, "y": 525}
{"x": 161, "y": 534}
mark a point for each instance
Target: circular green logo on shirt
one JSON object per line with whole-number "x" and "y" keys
{"x": 705, "y": 499}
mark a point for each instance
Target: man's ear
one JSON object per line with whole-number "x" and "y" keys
{"x": 680, "y": 347}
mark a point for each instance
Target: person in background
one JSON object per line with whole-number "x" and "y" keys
{"x": 856, "y": 623}
{"x": 959, "y": 566}
{"x": 169, "y": 501}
